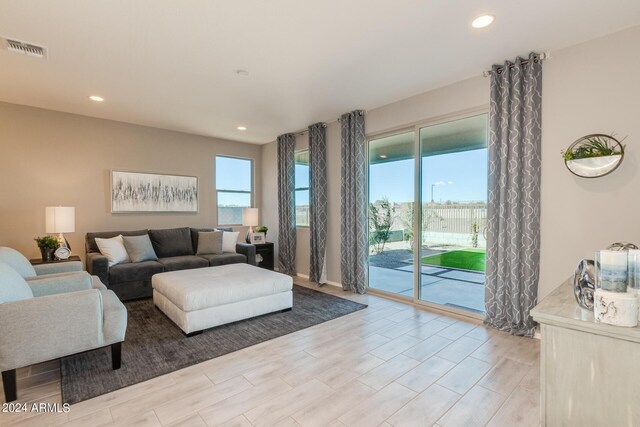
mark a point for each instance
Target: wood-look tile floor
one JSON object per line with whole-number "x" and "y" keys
{"x": 391, "y": 364}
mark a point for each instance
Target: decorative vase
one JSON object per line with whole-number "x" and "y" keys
{"x": 47, "y": 254}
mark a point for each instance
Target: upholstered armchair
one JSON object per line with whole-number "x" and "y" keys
{"x": 51, "y": 316}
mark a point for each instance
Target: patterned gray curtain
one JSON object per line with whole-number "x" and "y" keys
{"x": 318, "y": 199}
{"x": 286, "y": 204}
{"x": 513, "y": 229}
{"x": 354, "y": 245}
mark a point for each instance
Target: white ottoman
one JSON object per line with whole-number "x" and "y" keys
{"x": 202, "y": 298}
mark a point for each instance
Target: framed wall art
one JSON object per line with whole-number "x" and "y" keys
{"x": 136, "y": 192}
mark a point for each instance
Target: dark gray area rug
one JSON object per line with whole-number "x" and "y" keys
{"x": 155, "y": 346}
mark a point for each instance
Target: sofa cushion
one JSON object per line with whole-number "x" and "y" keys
{"x": 209, "y": 242}
{"x": 139, "y": 248}
{"x": 90, "y": 238}
{"x": 184, "y": 262}
{"x": 194, "y": 236}
{"x": 172, "y": 242}
{"x": 134, "y": 271}
{"x": 13, "y": 287}
{"x": 224, "y": 259}
{"x": 17, "y": 261}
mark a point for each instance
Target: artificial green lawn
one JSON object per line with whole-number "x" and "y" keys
{"x": 466, "y": 259}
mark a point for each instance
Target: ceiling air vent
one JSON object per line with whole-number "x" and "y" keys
{"x": 25, "y": 48}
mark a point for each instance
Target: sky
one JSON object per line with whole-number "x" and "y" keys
{"x": 456, "y": 176}
{"x": 302, "y": 180}
{"x": 233, "y": 174}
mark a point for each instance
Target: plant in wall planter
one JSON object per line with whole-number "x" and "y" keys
{"x": 47, "y": 245}
{"x": 594, "y": 155}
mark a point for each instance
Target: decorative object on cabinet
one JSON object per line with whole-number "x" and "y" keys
{"x": 593, "y": 156}
{"x": 611, "y": 270}
{"x": 633, "y": 278}
{"x": 584, "y": 283}
{"x": 616, "y": 308}
{"x": 584, "y": 277}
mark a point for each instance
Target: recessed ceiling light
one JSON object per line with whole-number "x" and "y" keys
{"x": 96, "y": 98}
{"x": 383, "y": 156}
{"x": 242, "y": 128}
{"x": 242, "y": 73}
{"x": 483, "y": 21}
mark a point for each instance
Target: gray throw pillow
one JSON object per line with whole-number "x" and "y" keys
{"x": 209, "y": 242}
{"x": 139, "y": 248}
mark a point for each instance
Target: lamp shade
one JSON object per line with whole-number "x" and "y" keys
{"x": 60, "y": 219}
{"x": 250, "y": 216}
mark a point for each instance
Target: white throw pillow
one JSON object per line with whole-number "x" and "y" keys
{"x": 229, "y": 240}
{"x": 113, "y": 249}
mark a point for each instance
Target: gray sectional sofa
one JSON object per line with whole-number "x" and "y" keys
{"x": 175, "y": 248}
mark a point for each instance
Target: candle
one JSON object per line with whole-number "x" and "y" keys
{"x": 633, "y": 262}
{"x": 613, "y": 270}
{"x": 633, "y": 276}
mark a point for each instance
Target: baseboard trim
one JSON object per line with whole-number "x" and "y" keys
{"x": 306, "y": 276}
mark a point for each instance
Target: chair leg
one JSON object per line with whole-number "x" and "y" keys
{"x": 116, "y": 355}
{"x": 10, "y": 385}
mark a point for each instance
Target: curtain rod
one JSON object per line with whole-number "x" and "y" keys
{"x": 324, "y": 125}
{"x": 302, "y": 132}
{"x": 542, "y": 56}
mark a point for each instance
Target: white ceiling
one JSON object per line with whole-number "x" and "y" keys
{"x": 170, "y": 63}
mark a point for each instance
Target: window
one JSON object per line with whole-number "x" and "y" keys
{"x": 234, "y": 188}
{"x": 302, "y": 188}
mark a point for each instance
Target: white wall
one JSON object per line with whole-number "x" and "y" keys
{"x": 591, "y": 87}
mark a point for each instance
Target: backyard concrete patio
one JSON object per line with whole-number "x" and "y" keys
{"x": 440, "y": 285}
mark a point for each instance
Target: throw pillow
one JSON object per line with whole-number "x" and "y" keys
{"x": 14, "y": 287}
{"x": 229, "y": 240}
{"x": 140, "y": 248}
{"x": 113, "y": 249}
{"x": 209, "y": 242}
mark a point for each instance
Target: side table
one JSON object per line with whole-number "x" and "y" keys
{"x": 265, "y": 250}
{"x": 39, "y": 261}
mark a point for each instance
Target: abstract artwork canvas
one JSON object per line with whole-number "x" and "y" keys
{"x": 149, "y": 192}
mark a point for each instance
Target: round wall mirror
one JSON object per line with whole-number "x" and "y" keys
{"x": 593, "y": 156}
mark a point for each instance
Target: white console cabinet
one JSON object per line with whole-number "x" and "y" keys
{"x": 590, "y": 372}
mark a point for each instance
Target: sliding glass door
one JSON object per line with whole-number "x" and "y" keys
{"x": 454, "y": 213}
{"x": 429, "y": 244}
{"x": 391, "y": 206}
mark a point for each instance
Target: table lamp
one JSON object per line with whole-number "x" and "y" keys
{"x": 250, "y": 219}
{"x": 60, "y": 219}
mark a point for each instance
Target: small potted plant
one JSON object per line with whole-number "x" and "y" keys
{"x": 47, "y": 245}
{"x": 262, "y": 229}
{"x": 594, "y": 155}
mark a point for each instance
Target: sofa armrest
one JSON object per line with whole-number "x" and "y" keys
{"x": 60, "y": 283}
{"x": 44, "y": 328}
{"x": 98, "y": 265}
{"x": 60, "y": 267}
{"x": 248, "y": 250}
